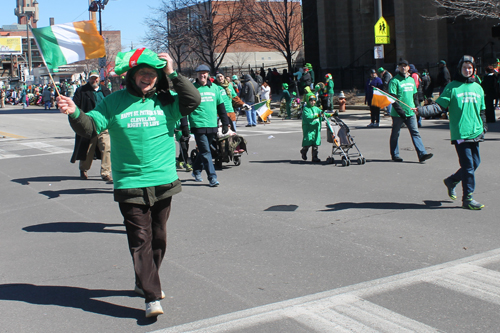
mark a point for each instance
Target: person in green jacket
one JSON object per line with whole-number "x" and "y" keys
{"x": 285, "y": 95}
{"x": 328, "y": 91}
{"x": 203, "y": 122}
{"x": 141, "y": 121}
{"x": 403, "y": 87}
{"x": 464, "y": 99}
{"x": 311, "y": 128}
{"x": 228, "y": 94}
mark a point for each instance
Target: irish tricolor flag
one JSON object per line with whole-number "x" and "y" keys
{"x": 63, "y": 44}
{"x": 262, "y": 110}
{"x": 381, "y": 99}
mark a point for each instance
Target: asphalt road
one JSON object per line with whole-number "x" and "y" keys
{"x": 281, "y": 245}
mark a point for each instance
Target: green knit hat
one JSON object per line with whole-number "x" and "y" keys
{"x": 127, "y": 60}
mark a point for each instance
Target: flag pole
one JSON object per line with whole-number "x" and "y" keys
{"x": 398, "y": 100}
{"x": 43, "y": 59}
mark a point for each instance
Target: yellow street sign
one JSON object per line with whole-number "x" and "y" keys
{"x": 382, "y": 35}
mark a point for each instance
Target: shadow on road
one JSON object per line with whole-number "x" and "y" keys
{"x": 75, "y": 227}
{"x": 428, "y": 204}
{"x": 281, "y": 161}
{"x": 73, "y": 297}
{"x": 44, "y": 179}
{"x": 282, "y": 208}
{"x": 56, "y": 194}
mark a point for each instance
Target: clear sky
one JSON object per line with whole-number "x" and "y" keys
{"x": 128, "y": 16}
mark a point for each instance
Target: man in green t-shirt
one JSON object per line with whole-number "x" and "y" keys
{"x": 464, "y": 99}
{"x": 141, "y": 121}
{"x": 204, "y": 125}
{"x": 403, "y": 87}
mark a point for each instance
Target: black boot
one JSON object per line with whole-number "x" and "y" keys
{"x": 303, "y": 151}
{"x": 315, "y": 158}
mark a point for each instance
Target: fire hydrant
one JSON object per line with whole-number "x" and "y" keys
{"x": 341, "y": 102}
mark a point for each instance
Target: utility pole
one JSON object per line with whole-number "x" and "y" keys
{"x": 378, "y": 5}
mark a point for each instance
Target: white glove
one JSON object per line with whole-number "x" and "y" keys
{"x": 246, "y": 107}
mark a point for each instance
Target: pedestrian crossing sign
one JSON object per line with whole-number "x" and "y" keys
{"x": 382, "y": 35}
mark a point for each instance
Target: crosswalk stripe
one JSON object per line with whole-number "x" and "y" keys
{"x": 330, "y": 321}
{"x": 46, "y": 147}
{"x": 469, "y": 286}
{"x": 14, "y": 149}
{"x": 378, "y": 317}
{"x": 5, "y": 154}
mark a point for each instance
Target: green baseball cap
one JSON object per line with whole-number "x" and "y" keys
{"x": 125, "y": 61}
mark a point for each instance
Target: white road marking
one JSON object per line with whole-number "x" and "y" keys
{"x": 44, "y": 147}
{"x": 346, "y": 309}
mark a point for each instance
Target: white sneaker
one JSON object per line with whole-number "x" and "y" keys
{"x": 139, "y": 291}
{"x": 153, "y": 309}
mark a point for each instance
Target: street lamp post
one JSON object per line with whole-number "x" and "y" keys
{"x": 97, "y": 6}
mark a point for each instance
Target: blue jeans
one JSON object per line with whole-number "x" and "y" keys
{"x": 204, "y": 158}
{"x": 468, "y": 158}
{"x": 389, "y": 108}
{"x": 251, "y": 116}
{"x": 411, "y": 123}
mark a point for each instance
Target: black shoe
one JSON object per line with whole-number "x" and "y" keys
{"x": 425, "y": 157}
{"x": 304, "y": 154}
{"x": 254, "y": 125}
{"x": 316, "y": 160}
{"x": 397, "y": 159}
{"x": 248, "y": 125}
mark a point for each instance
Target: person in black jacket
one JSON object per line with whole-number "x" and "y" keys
{"x": 443, "y": 77}
{"x": 386, "y": 77}
{"x": 86, "y": 98}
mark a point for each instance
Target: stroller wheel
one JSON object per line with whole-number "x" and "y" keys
{"x": 237, "y": 161}
{"x": 360, "y": 161}
{"x": 345, "y": 162}
{"x": 194, "y": 153}
{"x": 364, "y": 160}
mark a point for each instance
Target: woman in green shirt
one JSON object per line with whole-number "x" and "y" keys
{"x": 141, "y": 121}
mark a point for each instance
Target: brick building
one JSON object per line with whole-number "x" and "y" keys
{"x": 339, "y": 37}
{"x": 242, "y": 55}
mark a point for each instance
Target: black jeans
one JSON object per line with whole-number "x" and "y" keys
{"x": 147, "y": 240}
{"x": 375, "y": 114}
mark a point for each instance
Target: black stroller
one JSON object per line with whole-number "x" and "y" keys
{"x": 338, "y": 133}
{"x": 225, "y": 150}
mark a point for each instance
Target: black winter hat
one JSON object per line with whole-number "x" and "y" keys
{"x": 403, "y": 61}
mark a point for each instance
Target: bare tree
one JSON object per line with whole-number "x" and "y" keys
{"x": 215, "y": 26}
{"x": 470, "y": 9}
{"x": 240, "y": 59}
{"x": 169, "y": 31}
{"x": 277, "y": 25}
